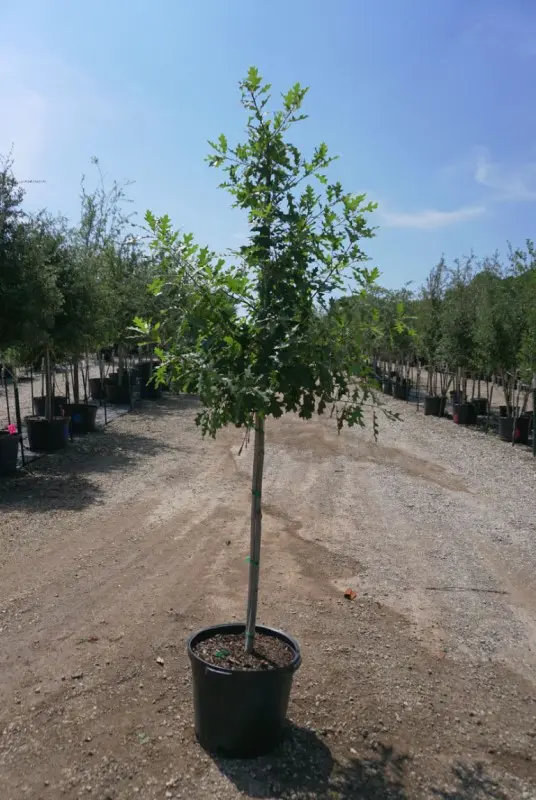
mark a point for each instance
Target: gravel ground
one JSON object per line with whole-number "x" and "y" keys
{"x": 25, "y": 392}
{"x": 113, "y": 551}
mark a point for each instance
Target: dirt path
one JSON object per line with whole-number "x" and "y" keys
{"x": 112, "y": 553}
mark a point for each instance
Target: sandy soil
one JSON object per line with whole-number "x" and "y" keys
{"x": 112, "y": 552}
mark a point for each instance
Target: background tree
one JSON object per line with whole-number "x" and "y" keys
{"x": 428, "y": 317}
{"x": 458, "y": 322}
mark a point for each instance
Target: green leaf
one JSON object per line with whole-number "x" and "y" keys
{"x": 254, "y": 79}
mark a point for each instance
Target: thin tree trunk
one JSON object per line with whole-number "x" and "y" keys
{"x": 76, "y": 381}
{"x": 49, "y": 394}
{"x": 18, "y": 414}
{"x": 256, "y": 531}
{"x": 4, "y": 379}
{"x": 85, "y": 377}
{"x": 489, "y": 395}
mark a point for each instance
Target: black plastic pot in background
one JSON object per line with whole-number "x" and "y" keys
{"x": 481, "y": 406}
{"x": 240, "y": 713}
{"x": 96, "y": 389}
{"x": 434, "y": 406}
{"x": 39, "y": 406}
{"x": 46, "y": 435}
{"x": 83, "y": 416}
{"x": 148, "y": 390}
{"x": 387, "y": 387}
{"x": 401, "y": 390}
{"x": 464, "y": 414}
{"x": 9, "y": 450}
{"x": 519, "y": 432}
{"x": 118, "y": 395}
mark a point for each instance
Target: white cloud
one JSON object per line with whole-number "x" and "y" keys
{"x": 431, "y": 218}
{"x": 509, "y": 181}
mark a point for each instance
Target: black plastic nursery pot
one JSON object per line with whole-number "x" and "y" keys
{"x": 148, "y": 390}
{"x": 46, "y": 435}
{"x": 96, "y": 389}
{"x": 401, "y": 391}
{"x": 387, "y": 387}
{"x": 39, "y": 406}
{"x": 434, "y": 406}
{"x": 240, "y": 713}
{"x": 519, "y": 433}
{"x": 481, "y": 406}
{"x": 9, "y": 449}
{"x": 118, "y": 395}
{"x": 464, "y": 414}
{"x": 83, "y": 416}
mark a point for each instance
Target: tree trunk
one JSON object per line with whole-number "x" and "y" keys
{"x": 534, "y": 415}
{"x": 49, "y": 393}
{"x": 121, "y": 367}
{"x": 256, "y": 531}
{"x": 76, "y": 381}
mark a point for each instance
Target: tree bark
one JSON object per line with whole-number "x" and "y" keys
{"x": 49, "y": 393}
{"x": 256, "y": 530}
{"x": 76, "y": 381}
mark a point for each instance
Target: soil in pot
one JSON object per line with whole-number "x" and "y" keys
{"x": 39, "y": 406}
{"x": 241, "y": 701}
{"x": 9, "y": 449}
{"x": 46, "y": 435}
{"x": 83, "y": 416}
{"x": 520, "y": 433}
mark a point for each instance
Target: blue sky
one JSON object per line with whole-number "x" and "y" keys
{"x": 429, "y": 104}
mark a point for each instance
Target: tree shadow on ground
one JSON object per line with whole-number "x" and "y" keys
{"x": 472, "y": 782}
{"x": 303, "y": 767}
{"x": 58, "y": 480}
{"x": 40, "y": 492}
{"x": 110, "y": 450}
{"x": 169, "y": 403}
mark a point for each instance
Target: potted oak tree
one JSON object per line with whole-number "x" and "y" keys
{"x": 48, "y": 427}
{"x": 260, "y": 353}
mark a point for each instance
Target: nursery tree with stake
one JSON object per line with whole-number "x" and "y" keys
{"x": 263, "y": 354}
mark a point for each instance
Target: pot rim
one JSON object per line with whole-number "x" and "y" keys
{"x": 82, "y": 405}
{"x": 38, "y": 418}
{"x": 222, "y": 627}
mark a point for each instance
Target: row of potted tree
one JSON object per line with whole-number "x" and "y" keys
{"x": 474, "y": 329}
{"x": 65, "y": 292}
